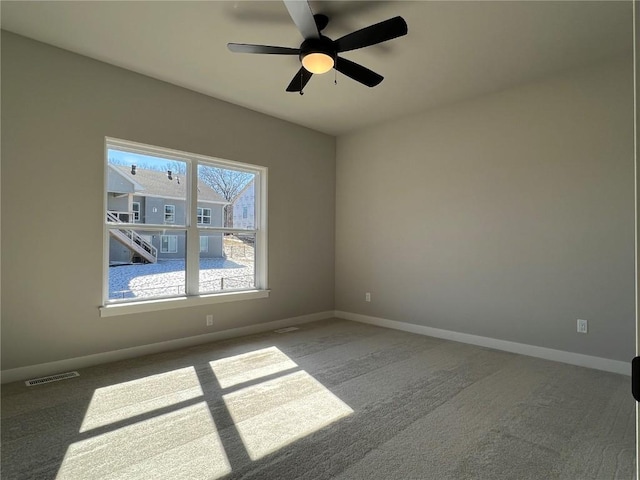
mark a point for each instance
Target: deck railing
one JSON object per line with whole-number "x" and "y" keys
{"x": 130, "y": 238}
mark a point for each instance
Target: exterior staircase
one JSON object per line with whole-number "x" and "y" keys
{"x": 132, "y": 240}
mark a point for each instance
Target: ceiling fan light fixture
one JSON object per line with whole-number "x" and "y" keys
{"x": 317, "y": 62}
{"x": 318, "y": 55}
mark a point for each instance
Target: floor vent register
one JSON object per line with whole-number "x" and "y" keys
{"x": 51, "y": 378}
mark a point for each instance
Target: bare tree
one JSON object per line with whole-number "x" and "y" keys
{"x": 118, "y": 161}
{"x": 176, "y": 167}
{"x": 228, "y": 183}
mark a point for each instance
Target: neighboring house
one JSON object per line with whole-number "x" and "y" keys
{"x": 150, "y": 197}
{"x": 243, "y": 207}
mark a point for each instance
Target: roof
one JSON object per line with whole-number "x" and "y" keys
{"x": 155, "y": 183}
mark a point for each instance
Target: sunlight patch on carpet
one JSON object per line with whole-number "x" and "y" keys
{"x": 275, "y": 413}
{"x": 178, "y": 445}
{"x": 250, "y": 366}
{"x": 129, "y": 399}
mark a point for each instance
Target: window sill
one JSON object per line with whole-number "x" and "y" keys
{"x": 116, "y": 309}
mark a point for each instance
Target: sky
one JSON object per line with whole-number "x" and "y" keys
{"x": 126, "y": 158}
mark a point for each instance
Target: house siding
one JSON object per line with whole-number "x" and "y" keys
{"x": 118, "y": 202}
{"x": 152, "y": 211}
{"x": 118, "y": 253}
{"x": 246, "y": 199}
{"x": 143, "y": 203}
{"x": 117, "y": 183}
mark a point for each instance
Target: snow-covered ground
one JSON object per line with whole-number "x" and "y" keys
{"x": 167, "y": 277}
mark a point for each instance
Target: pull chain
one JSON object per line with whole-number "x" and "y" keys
{"x": 301, "y": 86}
{"x": 335, "y": 76}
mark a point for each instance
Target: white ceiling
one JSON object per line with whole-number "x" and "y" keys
{"x": 454, "y": 50}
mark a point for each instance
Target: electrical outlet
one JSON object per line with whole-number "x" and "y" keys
{"x": 367, "y": 297}
{"x": 209, "y": 320}
{"x": 582, "y": 326}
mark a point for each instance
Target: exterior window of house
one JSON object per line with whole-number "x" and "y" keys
{"x": 245, "y": 212}
{"x": 135, "y": 208}
{"x": 170, "y": 213}
{"x": 187, "y": 244}
{"x": 204, "y": 244}
{"x": 204, "y": 216}
{"x": 169, "y": 243}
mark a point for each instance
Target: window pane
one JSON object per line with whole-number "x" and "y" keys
{"x": 148, "y": 196}
{"x": 144, "y": 264}
{"x": 168, "y": 244}
{"x": 204, "y": 216}
{"x": 135, "y": 208}
{"x": 169, "y": 214}
{"x": 227, "y": 192}
{"x": 204, "y": 244}
{"x": 233, "y": 271}
{"x": 157, "y": 185}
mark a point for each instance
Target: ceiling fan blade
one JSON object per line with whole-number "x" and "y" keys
{"x": 378, "y": 33}
{"x": 302, "y": 16}
{"x": 248, "y": 48}
{"x": 358, "y": 72}
{"x": 299, "y": 80}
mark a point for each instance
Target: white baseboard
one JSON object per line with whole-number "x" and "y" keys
{"x": 597, "y": 363}
{"x": 76, "y": 363}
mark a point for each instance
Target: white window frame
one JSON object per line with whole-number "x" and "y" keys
{"x": 136, "y": 213}
{"x": 171, "y": 213}
{"x": 169, "y": 238}
{"x": 192, "y": 297}
{"x": 202, "y": 216}
{"x": 206, "y": 243}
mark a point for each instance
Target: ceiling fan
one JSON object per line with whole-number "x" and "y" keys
{"x": 319, "y": 54}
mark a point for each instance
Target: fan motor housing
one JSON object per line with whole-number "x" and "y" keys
{"x": 318, "y": 45}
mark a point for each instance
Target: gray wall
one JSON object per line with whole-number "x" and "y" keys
{"x": 57, "y": 107}
{"x": 509, "y": 216}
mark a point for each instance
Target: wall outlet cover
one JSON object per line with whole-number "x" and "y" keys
{"x": 582, "y": 326}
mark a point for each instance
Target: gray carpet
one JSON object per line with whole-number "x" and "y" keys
{"x": 335, "y": 399}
